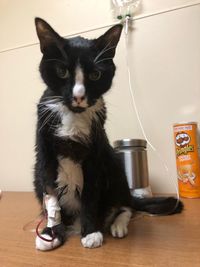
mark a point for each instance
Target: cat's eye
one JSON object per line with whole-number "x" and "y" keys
{"x": 95, "y": 75}
{"x": 62, "y": 72}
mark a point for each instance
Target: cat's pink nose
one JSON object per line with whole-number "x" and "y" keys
{"x": 78, "y": 100}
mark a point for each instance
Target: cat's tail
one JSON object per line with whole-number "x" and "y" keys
{"x": 158, "y": 205}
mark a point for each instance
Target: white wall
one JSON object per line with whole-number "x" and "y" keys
{"x": 164, "y": 63}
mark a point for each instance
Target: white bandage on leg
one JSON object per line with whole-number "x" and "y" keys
{"x": 43, "y": 245}
{"x": 53, "y": 210}
{"x": 53, "y": 219}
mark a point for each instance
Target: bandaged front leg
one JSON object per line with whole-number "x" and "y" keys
{"x": 49, "y": 239}
{"x": 53, "y": 211}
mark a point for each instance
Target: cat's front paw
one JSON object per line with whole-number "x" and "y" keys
{"x": 46, "y": 245}
{"x": 92, "y": 240}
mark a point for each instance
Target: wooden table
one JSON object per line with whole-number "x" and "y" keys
{"x": 152, "y": 241}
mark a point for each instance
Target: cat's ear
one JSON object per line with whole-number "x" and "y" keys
{"x": 47, "y": 35}
{"x": 109, "y": 40}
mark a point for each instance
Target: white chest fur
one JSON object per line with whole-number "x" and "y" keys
{"x": 70, "y": 177}
{"x": 75, "y": 125}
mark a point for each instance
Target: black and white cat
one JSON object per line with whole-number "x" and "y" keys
{"x": 76, "y": 167}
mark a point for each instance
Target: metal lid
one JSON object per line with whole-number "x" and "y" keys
{"x": 130, "y": 143}
{"x": 183, "y": 123}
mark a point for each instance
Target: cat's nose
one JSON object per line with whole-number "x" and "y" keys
{"x": 78, "y": 100}
{"x": 79, "y": 95}
{"x": 78, "y": 90}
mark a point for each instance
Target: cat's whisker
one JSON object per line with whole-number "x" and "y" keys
{"x": 47, "y": 100}
{"x": 51, "y": 96}
{"x": 104, "y": 59}
{"x": 44, "y": 123}
{"x": 46, "y": 120}
{"x": 45, "y": 109}
{"x": 102, "y": 114}
{"x": 95, "y": 60}
{"x": 43, "y": 113}
{"x": 50, "y": 101}
{"x": 55, "y": 119}
{"x": 52, "y": 126}
{"x": 99, "y": 115}
{"x": 102, "y": 51}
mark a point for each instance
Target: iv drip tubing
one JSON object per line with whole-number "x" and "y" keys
{"x": 134, "y": 105}
{"x": 104, "y": 26}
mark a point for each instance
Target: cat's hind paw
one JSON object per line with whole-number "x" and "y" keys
{"x": 119, "y": 228}
{"x": 92, "y": 240}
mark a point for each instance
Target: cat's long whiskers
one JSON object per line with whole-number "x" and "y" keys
{"x": 43, "y": 113}
{"x": 46, "y": 102}
{"x": 52, "y": 126}
{"x": 44, "y": 109}
{"x": 102, "y": 51}
{"x": 55, "y": 119}
{"x": 51, "y": 98}
{"x": 46, "y": 120}
{"x": 101, "y": 114}
{"x": 104, "y": 59}
{"x": 100, "y": 54}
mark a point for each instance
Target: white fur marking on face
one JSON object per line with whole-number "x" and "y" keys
{"x": 70, "y": 175}
{"x": 79, "y": 88}
{"x": 43, "y": 245}
{"x": 92, "y": 240}
{"x": 79, "y": 77}
{"x": 120, "y": 226}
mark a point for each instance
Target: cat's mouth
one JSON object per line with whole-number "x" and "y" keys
{"x": 77, "y": 109}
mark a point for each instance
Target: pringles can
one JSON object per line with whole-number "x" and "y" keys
{"x": 187, "y": 159}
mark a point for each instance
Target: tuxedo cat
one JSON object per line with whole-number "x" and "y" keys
{"x": 77, "y": 173}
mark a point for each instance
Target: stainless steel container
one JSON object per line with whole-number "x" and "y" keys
{"x": 133, "y": 154}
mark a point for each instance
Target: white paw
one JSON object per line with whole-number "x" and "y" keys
{"x": 44, "y": 245}
{"x": 120, "y": 226}
{"x": 93, "y": 240}
{"x": 119, "y": 229}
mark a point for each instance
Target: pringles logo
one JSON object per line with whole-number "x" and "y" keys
{"x": 182, "y": 141}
